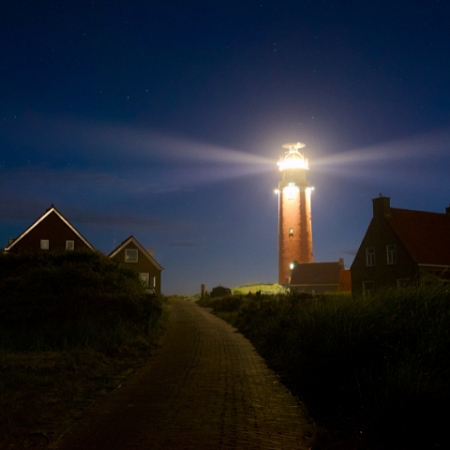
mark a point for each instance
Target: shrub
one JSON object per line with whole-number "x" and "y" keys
{"x": 71, "y": 299}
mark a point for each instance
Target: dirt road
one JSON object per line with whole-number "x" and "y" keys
{"x": 207, "y": 388}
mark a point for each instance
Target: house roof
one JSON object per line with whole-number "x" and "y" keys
{"x": 425, "y": 235}
{"x": 316, "y": 273}
{"x": 132, "y": 239}
{"x": 49, "y": 211}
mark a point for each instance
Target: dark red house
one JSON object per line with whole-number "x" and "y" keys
{"x": 401, "y": 246}
{"x": 134, "y": 255}
{"x": 51, "y": 232}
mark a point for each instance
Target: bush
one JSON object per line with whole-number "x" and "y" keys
{"x": 72, "y": 299}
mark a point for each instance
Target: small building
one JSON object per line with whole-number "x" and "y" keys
{"x": 51, "y": 232}
{"x": 317, "y": 277}
{"x": 131, "y": 252}
{"x": 401, "y": 246}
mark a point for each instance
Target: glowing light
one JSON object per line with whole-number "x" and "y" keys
{"x": 293, "y": 159}
{"x": 290, "y": 192}
{"x": 291, "y": 266}
{"x": 276, "y": 191}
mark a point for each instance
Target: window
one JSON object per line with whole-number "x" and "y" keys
{"x": 291, "y": 232}
{"x": 153, "y": 282}
{"x": 70, "y": 245}
{"x": 368, "y": 287}
{"x": 45, "y": 244}
{"x": 391, "y": 253}
{"x": 370, "y": 256}
{"x": 131, "y": 255}
{"x": 144, "y": 278}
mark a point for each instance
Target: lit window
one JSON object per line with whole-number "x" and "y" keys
{"x": 70, "y": 245}
{"x": 45, "y": 244}
{"x": 291, "y": 232}
{"x": 144, "y": 278}
{"x": 368, "y": 287}
{"x": 291, "y": 184}
{"x": 153, "y": 282}
{"x": 291, "y": 266}
{"x": 370, "y": 256}
{"x": 391, "y": 253}
{"x": 131, "y": 255}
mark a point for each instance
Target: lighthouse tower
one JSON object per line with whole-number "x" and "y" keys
{"x": 294, "y": 212}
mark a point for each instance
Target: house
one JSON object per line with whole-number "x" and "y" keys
{"x": 316, "y": 277}
{"x": 401, "y": 246}
{"x": 131, "y": 252}
{"x": 52, "y": 231}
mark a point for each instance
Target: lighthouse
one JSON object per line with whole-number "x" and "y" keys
{"x": 294, "y": 212}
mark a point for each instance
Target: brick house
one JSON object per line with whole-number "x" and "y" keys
{"x": 401, "y": 246}
{"x": 316, "y": 277}
{"x": 131, "y": 252}
{"x": 51, "y": 232}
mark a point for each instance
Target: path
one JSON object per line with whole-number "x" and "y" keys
{"x": 207, "y": 388}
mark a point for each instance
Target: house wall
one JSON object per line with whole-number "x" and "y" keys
{"x": 53, "y": 229}
{"x": 143, "y": 265}
{"x": 379, "y": 235}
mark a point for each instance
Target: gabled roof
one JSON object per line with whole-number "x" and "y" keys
{"x": 316, "y": 273}
{"x": 49, "y": 211}
{"x": 425, "y": 235}
{"x": 140, "y": 248}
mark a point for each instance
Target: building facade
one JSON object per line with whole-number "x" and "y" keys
{"x": 294, "y": 212}
{"x": 401, "y": 247}
{"x": 134, "y": 255}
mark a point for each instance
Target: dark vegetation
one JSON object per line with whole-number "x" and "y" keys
{"x": 374, "y": 373}
{"x": 72, "y": 325}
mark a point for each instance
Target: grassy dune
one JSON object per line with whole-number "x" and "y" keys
{"x": 376, "y": 370}
{"x": 72, "y": 327}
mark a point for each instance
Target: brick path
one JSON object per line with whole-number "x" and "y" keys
{"x": 207, "y": 388}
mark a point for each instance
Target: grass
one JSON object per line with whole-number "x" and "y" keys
{"x": 375, "y": 369}
{"x": 72, "y": 326}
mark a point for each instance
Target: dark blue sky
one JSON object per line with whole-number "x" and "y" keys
{"x": 165, "y": 120}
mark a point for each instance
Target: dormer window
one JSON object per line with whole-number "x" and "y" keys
{"x": 131, "y": 255}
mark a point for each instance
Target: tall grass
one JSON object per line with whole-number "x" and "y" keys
{"x": 377, "y": 367}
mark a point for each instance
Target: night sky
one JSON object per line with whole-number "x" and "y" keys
{"x": 165, "y": 120}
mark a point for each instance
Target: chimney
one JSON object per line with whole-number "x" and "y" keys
{"x": 341, "y": 263}
{"x": 447, "y": 210}
{"x": 382, "y": 207}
